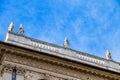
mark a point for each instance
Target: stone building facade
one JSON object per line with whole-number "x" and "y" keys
{"x": 24, "y": 58}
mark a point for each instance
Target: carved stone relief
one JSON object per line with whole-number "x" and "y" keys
{"x": 42, "y": 76}
{"x": 45, "y": 65}
{"x": 30, "y": 75}
{"x": 9, "y": 68}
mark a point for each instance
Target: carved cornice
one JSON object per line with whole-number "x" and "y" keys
{"x": 40, "y": 57}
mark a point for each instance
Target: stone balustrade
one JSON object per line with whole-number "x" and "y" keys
{"x": 62, "y": 52}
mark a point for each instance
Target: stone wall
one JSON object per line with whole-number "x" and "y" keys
{"x": 32, "y": 65}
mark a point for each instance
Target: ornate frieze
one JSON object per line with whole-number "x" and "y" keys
{"x": 9, "y": 68}
{"x": 30, "y": 75}
{"x": 41, "y": 61}
{"x": 51, "y": 66}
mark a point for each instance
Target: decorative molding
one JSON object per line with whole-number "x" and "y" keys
{"x": 28, "y": 75}
{"x": 9, "y": 68}
{"x": 62, "y": 52}
{"x": 22, "y": 57}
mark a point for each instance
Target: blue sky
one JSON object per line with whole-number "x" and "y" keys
{"x": 92, "y": 26}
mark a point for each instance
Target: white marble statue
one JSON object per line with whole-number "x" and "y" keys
{"x": 66, "y": 42}
{"x": 108, "y": 55}
{"x": 21, "y": 29}
{"x": 11, "y": 27}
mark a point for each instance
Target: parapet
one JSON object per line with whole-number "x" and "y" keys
{"x": 67, "y": 53}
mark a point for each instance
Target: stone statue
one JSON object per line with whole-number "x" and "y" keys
{"x": 66, "y": 42}
{"x": 21, "y": 29}
{"x": 108, "y": 55}
{"x": 11, "y": 27}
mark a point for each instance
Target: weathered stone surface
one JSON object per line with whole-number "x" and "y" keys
{"x": 33, "y": 65}
{"x": 61, "y": 52}
{"x": 38, "y": 60}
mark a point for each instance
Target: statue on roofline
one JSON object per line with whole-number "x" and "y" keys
{"x": 21, "y": 29}
{"x": 11, "y": 27}
{"x": 66, "y": 42}
{"x": 108, "y": 55}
